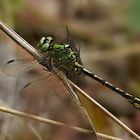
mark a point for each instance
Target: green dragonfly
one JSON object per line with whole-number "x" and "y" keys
{"x": 66, "y": 57}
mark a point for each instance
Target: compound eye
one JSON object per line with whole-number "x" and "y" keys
{"x": 42, "y": 40}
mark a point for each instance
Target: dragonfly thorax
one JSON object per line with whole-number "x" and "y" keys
{"x": 61, "y": 55}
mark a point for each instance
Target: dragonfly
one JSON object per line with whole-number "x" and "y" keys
{"x": 66, "y": 57}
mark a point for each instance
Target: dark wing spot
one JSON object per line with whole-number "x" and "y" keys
{"x": 27, "y": 85}
{"x": 10, "y": 61}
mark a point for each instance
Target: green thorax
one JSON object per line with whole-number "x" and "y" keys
{"x": 62, "y": 53}
{"x": 65, "y": 56}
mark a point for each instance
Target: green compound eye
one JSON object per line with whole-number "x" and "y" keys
{"x": 44, "y": 43}
{"x": 42, "y": 40}
{"x": 44, "y": 47}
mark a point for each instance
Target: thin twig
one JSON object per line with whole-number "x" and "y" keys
{"x": 104, "y": 110}
{"x": 52, "y": 122}
{"x": 43, "y": 120}
{"x": 75, "y": 98}
{"x": 20, "y": 41}
{"x": 34, "y": 131}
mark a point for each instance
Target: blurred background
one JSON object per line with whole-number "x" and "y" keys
{"x": 108, "y": 33}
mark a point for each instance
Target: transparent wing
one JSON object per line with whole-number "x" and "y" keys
{"x": 48, "y": 95}
{"x": 73, "y": 46}
{"x": 16, "y": 67}
{"x": 46, "y": 83}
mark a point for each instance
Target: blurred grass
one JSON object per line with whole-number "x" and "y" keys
{"x": 134, "y": 17}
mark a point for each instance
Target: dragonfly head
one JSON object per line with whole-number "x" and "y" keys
{"x": 45, "y": 43}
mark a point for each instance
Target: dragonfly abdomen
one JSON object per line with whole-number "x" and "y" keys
{"x": 132, "y": 99}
